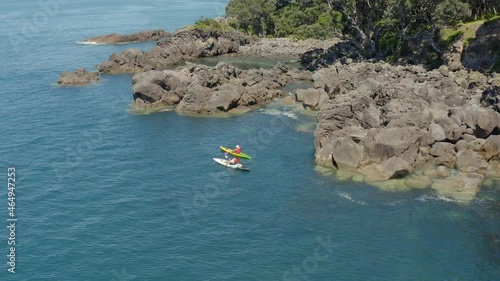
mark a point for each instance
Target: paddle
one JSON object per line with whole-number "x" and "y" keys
{"x": 227, "y": 159}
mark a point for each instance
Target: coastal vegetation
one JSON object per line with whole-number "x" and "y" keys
{"x": 388, "y": 28}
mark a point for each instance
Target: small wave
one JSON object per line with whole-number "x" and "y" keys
{"x": 436, "y": 197}
{"x": 276, "y": 112}
{"x": 395, "y": 202}
{"x": 348, "y": 197}
{"x": 88, "y": 43}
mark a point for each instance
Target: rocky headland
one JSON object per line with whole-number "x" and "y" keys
{"x": 78, "y": 77}
{"x": 284, "y": 46}
{"x": 386, "y": 122}
{"x": 199, "y": 89}
{"x": 142, "y": 36}
{"x": 185, "y": 45}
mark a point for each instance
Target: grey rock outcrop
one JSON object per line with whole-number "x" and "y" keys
{"x": 79, "y": 77}
{"x": 199, "y": 89}
{"x": 183, "y": 46}
{"x": 406, "y": 118}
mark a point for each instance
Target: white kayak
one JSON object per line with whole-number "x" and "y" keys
{"x": 225, "y": 162}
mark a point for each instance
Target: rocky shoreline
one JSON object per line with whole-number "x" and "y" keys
{"x": 284, "y": 46}
{"x": 199, "y": 89}
{"x": 384, "y": 124}
{"x": 185, "y": 45}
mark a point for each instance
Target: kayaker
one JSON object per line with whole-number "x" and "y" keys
{"x": 237, "y": 150}
{"x": 234, "y": 161}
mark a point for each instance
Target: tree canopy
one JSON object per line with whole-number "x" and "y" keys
{"x": 389, "y": 27}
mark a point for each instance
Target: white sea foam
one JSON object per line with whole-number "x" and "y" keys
{"x": 348, "y": 197}
{"x": 435, "y": 197}
{"x": 88, "y": 43}
{"x": 277, "y": 112}
{"x": 394, "y": 203}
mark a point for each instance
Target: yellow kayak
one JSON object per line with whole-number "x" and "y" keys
{"x": 230, "y": 151}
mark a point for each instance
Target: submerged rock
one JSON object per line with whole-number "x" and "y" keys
{"x": 142, "y": 36}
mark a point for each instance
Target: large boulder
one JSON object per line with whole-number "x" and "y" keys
{"x": 442, "y": 148}
{"x": 491, "y": 98}
{"x": 437, "y": 132}
{"x": 384, "y": 143}
{"x": 311, "y": 98}
{"x": 469, "y": 161}
{"x": 487, "y": 121}
{"x": 391, "y": 168}
{"x": 371, "y": 117}
{"x": 347, "y": 154}
{"x": 492, "y": 146}
{"x": 165, "y": 86}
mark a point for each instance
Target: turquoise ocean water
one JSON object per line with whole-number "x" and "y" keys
{"x": 103, "y": 194}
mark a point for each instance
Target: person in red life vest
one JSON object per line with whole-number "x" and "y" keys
{"x": 234, "y": 161}
{"x": 237, "y": 150}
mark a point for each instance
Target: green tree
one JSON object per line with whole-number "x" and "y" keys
{"x": 451, "y": 12}
{"x": 254, "y": 16}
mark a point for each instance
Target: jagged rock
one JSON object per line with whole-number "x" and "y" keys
{"x": 469, "y": 161}
{"x": 371, "y": 118}
{"x": 461, "y": 145}
{"x": 183, "y": 46}
{"x": 395, "y": 167}
{"x": 452, "y": 130}
{"x": 79, "y": 77}
{"x": 208, "y": 90}
{"x": 384, "y": 143}
{"x": 274, "y": 47}
{"x": 311, "y": 98}
{"x": 391, "y": 168}
{"x": 492, "y": 146}
{"x": 442, "y": 148}
{"x": 324, "y": 155}
{"x": 482, "y": 52}
{"x": 437, "y": 132}
{"x": 415, "y": 108}
{"x": 476, "y": 145}
{"x": 488, "y": 120}
{"x": 491, "y": 98}
{"x": 319, "y": 57}
{"x": 347, "y": 154}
